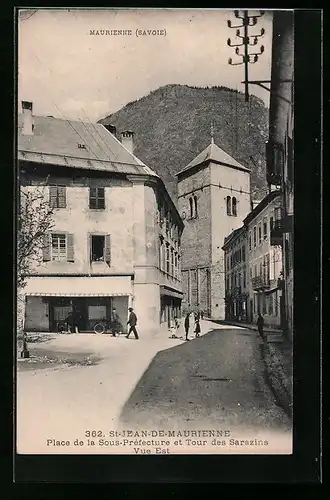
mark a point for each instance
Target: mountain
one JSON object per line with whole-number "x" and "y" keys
{"x": 172, "y": 125}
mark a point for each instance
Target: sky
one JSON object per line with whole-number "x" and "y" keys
{"x": 68, "y": 73}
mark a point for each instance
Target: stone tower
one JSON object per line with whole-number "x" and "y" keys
{"x": 213, "y": 198}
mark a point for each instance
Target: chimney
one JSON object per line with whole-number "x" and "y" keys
{"x": 110, "y": 128}
{"x": 127, "y": 140}
{"x": 27, "y": 118}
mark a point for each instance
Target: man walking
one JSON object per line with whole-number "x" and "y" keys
{"x": 260, "y": 324}
{"x": 186, "y": 325}
{"x": 132, "y": 320}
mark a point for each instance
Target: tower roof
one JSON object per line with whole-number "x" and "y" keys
{"x": 215, "y": 154}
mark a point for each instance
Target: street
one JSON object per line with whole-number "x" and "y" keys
{"x": 213, "y": 382}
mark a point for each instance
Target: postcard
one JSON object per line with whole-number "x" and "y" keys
{"x": 155, "y": 231}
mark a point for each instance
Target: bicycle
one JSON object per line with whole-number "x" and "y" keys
{"x": 106, "y": 327}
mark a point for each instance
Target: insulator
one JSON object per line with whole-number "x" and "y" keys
{"x": 255, "y": 58}
{"x": 262, "y": 31}
{"x": 228, "y": 42}
{"x": 230, "y": 60}
{"x": 229, "y": 24}
{"x": 237, "y": 33}
{"x": 237, "y": 50}
{"x": 236, "y": 12}
{"x": 262, "y": 49}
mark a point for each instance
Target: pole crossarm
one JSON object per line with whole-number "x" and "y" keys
{"x": 247, "y": 41}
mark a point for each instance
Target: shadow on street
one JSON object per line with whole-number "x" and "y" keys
{"x": 216, "y": 379}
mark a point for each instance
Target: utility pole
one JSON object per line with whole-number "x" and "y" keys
{"x": 247, "y": 41}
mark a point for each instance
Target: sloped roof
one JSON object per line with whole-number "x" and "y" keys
{"x": 213, "y": 153}
{"x": 56, "y": 141}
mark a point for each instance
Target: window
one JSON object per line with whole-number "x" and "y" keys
{"x": 100, "y": 248}
{"x": 244, "y": 279}
{"x": 234, "y": 206}
{"x": 254, "y": 236}
{"x": 191, "y": 208}
{"x": 228, "y": 203}
{"x": 57, "y": 196}
{"x": 270, "y": 304}
{"x": 265, "y": 228}
{"x": 58, "y": 246}
{"x": 161, "y": 257}
{"x": 172, "y": 262}
{"x": 195, "y": 206}
{"x": 167, "y": 260}
{"x": 96, "y": 198}
{"x": 276, "y": 304}
{"x": 290, "y": 161}
{"x": 243, "y": 254}
{"x": 264, "y": 305}
{"x": 250, "y": 272}
{"x": 250, "y": 241}
{"x": 271, "y": 223}
{"x": 259, "y": 234}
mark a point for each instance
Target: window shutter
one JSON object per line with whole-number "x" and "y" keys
{"x": 92, "y": 197}
{"x": 69, "y": 248}
{"x": 107, "y": 252}
{"x": 53, "y": 196}
{"x": 61, "y": 190}
{"x": 46, "y": 248}
{"x": 101, "y": 198}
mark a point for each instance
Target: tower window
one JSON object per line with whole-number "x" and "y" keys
{"x": 195, "y": 206}
{"x": 191, "y": 208}
{"x": 234, "y": 206}
{"x": 228, "y": 203}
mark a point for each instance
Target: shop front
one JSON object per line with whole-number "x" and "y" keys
{"x": 170, "y": 306}
{"x": 107, "y": 301}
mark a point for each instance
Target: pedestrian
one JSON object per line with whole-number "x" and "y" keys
{"x": 202, "y": 314}
{"x": 132, "y": 321}
{"x": 260, "y": 324}
{"x": 186, "y": 325}
{"x": 174, "y": 325}
{"x": 197, "y": 328}
{"x": 70, "y": 322}
{"x": 115, "y": 323}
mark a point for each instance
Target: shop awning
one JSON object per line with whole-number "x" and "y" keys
{"x": 164, "y": 290}
{"x": 79, "y": 286}
{"x": 68, "y": 294}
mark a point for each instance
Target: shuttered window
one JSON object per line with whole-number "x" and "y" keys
{"x": 100, "y": 248}
{"x": 58, "y": 247}
{"x": 57, "y": 196}
{"x": 96, "y": 198}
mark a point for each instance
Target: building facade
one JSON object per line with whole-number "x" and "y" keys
{"x": 280, "y": 147}
{"x": 236, "y": 278}
{"x": 264, "y": 266}
{"x": 213, "y": 200}
{"x": 254, "y": 267}
{"x": 103, "y": 251}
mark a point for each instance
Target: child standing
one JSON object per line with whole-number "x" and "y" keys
{"x": 197, "y": 327}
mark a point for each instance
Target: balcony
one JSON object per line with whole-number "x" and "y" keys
{"x": 280, "y": 226}
{"x": 276, "y": 233}
{"x": 260, "y": 282}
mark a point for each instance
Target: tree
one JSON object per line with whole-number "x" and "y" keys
{"x": 35, "y": 218}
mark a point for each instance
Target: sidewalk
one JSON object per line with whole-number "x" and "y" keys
{"x": 277, "y": 356}
{"x": 274, "y": 332}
